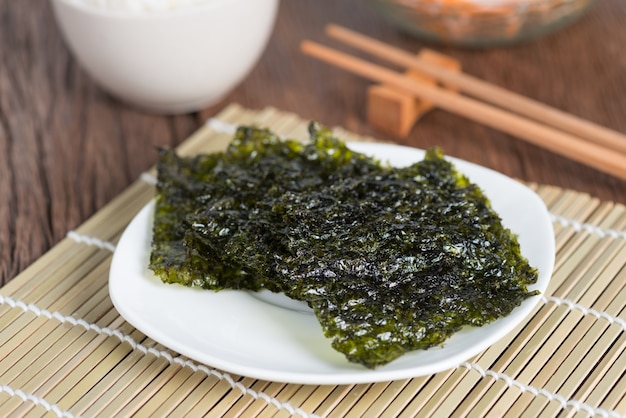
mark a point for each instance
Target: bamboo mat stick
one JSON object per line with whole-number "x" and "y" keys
{"x": 381, "y": 401}
{"x": 582, "y": 258}
{"x": 572, "y": 206}
{"x": 132, "y": 389}
{"x": 616, "y": 219}
{"x": 443, "y": 399}
{"x": 568, "y": 243}
{"x": 602, "y": 291}
{"x": 520, "y": 341}
{"x": 586, "y": 213}
{"x": 318, "y": 397}
{"x": 565, "y": 144}
{"x": 158, "y": 385}
{"x": 84, "y": 367}
{"x": 127, "y": 364}
{"x": 96, "y": 307}
{"x": 576, "y": 363}
{"x": 186, "y": 404}
{"x": 303, "y": 393}
{"x": 237, "y": 402}
{"x": 157, "y": 391}
{"x": 207, "y": 404}
{"x": 87, "y": 276}
{"x": 35, "y": 326}
{"x": 525, "y": 344}
{"x": 47, "y": 378}
{"x": 610, "y": 341}
{"x": 400, "y": 402}
{"x": 351, "y": 398}
{"x": 583, "y": 361}
{"x": 259, "y": 405}
{"x": 606, "y": 249}
{"x": 428, "y": 390}
{"x": 234, "y": 397}
{"x": 615, "y": 364}
{"x": 366, "y": 401}
{"x": 182, "y": 385}
{"x": 37, "y": 357}
{"x": 68, "y": 263}
{"x": 504, "y": 352}
{"x": 485, "y": 91}
{"x": 525, "y": 371}
{"x": 496, "y": 358}
{"x": 548, "y": 193}
{"x": 283, "y": 395}
{"x": 109, "y": 222}
{"x": 59, "y": 256}
{"x": 335, "y": 396}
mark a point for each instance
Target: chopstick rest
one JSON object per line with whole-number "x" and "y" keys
{"x": 395, "y": 111}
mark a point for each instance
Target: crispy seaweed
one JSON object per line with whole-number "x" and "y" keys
{"x": 389, "y": 259}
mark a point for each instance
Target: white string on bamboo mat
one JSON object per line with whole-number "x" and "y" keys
{"x": 585, "y": 311}
{"x": 565, "y": 403}
{"x": 30, "y": 307}
{"x": 38, "y": 401}
{"x": 89, "y": 240}
{"x": 148, "y": 178}
{"x": 589, "y": 228}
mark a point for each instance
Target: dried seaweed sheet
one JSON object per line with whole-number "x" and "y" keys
{"x": 390, "y": 259}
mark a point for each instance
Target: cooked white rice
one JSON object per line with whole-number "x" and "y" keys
{"x": 140, "y": 6}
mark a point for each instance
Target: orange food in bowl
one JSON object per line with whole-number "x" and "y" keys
{"x": 481, "y": 22}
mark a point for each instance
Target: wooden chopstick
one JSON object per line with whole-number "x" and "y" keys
{"x": 480, "y": 89}
{"x": 563, "y": 143}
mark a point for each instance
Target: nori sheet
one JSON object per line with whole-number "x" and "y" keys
{"x": 389, "y": 259}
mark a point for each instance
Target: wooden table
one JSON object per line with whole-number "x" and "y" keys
{"x": 67, "y": 148}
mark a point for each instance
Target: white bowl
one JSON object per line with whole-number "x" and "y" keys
{"x": 172, "y": 61}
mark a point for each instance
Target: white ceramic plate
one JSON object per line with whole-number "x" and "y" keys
{"x": 243, "y": 333}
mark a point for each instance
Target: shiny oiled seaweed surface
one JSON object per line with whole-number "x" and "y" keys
{"x": 389, "y": 259}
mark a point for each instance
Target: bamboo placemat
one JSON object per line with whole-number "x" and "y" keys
{"x": 65, "y": 351}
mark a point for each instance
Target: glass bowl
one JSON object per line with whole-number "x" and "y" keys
{"x": 481, "y": 22}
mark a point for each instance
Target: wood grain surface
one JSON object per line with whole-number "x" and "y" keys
{"x": 67, "y": 148}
